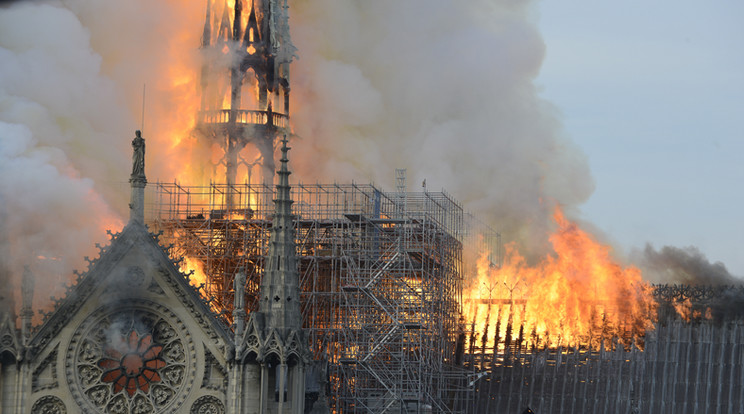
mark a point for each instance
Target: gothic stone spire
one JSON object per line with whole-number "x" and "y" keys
{"x": 280, "y": 291}
{"x": 274, "y": 334}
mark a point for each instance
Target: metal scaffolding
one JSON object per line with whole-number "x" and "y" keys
{"x": 381, "y": 275}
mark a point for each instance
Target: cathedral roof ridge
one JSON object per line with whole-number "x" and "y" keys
{"x": 100, "y": 273}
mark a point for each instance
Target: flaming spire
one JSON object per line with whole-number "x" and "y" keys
{"x": 207, "y": 34}
{"x": 245, "y": 84}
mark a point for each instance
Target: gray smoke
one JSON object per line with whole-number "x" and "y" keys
{"x": 686, "y": 265}
{"x": 443, "y": 88}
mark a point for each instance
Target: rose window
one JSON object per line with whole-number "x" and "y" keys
{"x": 132, "y": 364}
{"x": 132, "y": 360}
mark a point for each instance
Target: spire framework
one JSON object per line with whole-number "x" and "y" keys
{"x": 280, "y": 291}
{"x": 245, "y": 84}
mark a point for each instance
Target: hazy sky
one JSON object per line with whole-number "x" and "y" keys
{"x": 653, "y": 92}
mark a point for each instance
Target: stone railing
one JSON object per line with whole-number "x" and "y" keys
{"x": 240, "y": 116}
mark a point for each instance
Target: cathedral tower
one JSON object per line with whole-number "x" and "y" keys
{"x": 246, "y": 50}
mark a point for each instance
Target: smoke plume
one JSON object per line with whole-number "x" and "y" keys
{"x": 443, "y": 88}
{"x": 57, "y": 133}
{"x": 71, "y": 96}
{"x": 440, "y": 87}
{"x": 685, "y": 265}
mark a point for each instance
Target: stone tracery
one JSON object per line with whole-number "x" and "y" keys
{"x": 133, "y": 365}
{"x": 130, "y": 360}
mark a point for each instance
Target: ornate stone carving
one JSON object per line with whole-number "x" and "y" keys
{"x": 138, "y": 156}
{"x": 205, "y": 323}
{"x": 155, "y": 288}
{"x": 8, "y": 338}
{"x": 208, "y": 405}
{"x": 45, "y": 375}
{"x": 49, "y": 405}
{"x": 131, "y": 358}
{"x": 135, "y": 275}
{"x": 252, "y": 343}
{"x": 274, "y": 346}
{"x": 215, "y": 375}
{"x": 131, "y": 280}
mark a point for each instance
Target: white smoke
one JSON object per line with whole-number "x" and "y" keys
{"x": 71, "y": 81}
{"x": 58, "y": 147}
{"x": 443, "y": 88}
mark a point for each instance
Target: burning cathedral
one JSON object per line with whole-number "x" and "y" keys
{"x": 260, "y": 298}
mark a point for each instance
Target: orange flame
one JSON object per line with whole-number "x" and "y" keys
{"x": 687, "y": 313}
{"x": 199, "y": 277}
{"x": 577, "y": 297}
{"x": 683, "y": 308}
{"x": 172, "y": 111}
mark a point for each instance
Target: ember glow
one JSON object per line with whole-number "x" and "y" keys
{"x": 579, "y": 296}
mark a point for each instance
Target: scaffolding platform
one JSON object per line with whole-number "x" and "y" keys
{"x": 381, "y": 279}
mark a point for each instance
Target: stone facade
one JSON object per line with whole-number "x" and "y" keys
{"x": 133, "y": 336}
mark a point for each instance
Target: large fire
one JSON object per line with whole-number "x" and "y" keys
{"x": 577, "y": 297}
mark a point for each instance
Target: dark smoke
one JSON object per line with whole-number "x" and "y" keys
{"x": 687, "y": 265}
{"x": 7, "y": 2}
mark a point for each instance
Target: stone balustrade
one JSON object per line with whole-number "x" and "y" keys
{"x": 241, "y": 116}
